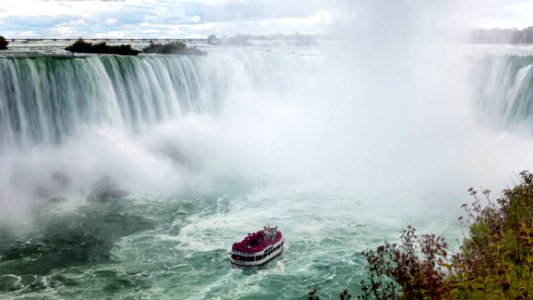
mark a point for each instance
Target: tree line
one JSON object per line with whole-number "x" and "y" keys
{"x": 503, "y": 36}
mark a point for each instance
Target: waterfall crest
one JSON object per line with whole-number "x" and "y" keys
{"x": 44, "y": 99}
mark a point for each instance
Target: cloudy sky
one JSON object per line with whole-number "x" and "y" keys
{"x": 199, "y": 18}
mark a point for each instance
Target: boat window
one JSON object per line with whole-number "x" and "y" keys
{"x": 243, "y": 258}
{"x": 259, "y": 257}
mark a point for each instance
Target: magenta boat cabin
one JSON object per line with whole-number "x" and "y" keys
{"x": 258, "y": 248}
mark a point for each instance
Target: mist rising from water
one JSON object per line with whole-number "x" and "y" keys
{"x": 386, "y": 110}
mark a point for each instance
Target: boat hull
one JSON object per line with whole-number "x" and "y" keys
{"x": 259, "y": 262}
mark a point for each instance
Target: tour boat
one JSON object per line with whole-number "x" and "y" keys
{"x": 258, "y": 248}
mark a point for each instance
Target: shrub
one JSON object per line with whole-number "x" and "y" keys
{"x": 495, "y": 260}
{"x": 172, "y": 48}
{"x": 81, "y": 46}
{"x": 396, "y": 269}
{"x": 313, "y": 295}
{"x": 3, "y": 43}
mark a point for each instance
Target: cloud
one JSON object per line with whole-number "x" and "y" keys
{"x": 106, "y": 18}
{"x": 498, "y": 14}
{"x": 169, "y": 18}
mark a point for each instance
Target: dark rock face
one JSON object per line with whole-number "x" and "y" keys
{"x": 42, "y": 192}
{"x": 56, "y": 200}
{"x": 105, "y": 189}
{"x": 54, "y": 189}
{"x": 61, "y": 180}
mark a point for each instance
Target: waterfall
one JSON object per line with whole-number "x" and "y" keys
{"x": 45, "y": 99}
{"x": 504, "y": 89}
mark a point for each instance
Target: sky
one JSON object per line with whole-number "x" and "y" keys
{"x": 200, "y": 18}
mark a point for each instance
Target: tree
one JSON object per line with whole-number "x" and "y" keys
{"x": 3, "y": 43}
{"x": 213, "y": 40}
{"x": 81, "y": 46}
{"x": 495, "y": 260}
{"x": 172, "y": 48}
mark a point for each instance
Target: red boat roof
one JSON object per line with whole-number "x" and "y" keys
{"x": 256, "y": 242}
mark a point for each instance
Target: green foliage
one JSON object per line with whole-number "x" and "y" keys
{"x": 3, "y": 43}
{"x": 172, "y": 48}
{"x": 81, "y": 46}
{"x": 495, "y": 260}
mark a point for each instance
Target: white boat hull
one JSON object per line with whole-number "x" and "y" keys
{"x": 257, "y": 258}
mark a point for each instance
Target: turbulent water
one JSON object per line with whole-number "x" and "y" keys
{"x": 339, "y": 154}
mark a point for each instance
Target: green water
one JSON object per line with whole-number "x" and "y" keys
{"x": 177, "y": 247}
